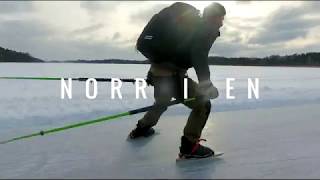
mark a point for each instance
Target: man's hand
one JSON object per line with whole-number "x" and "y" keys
{"x": 208, "y": 90}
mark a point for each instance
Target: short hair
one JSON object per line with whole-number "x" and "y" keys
{"x": 214, "y": 9}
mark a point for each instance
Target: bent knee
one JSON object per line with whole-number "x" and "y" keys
{"x": 203, "y": 107}
{"x": 208, "y": 106}
{"x": 160, "y": 106}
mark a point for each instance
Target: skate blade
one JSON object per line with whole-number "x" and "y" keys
{"x": 216, "y": 154}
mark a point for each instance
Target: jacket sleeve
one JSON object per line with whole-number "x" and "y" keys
{"x": 199, "y": 58}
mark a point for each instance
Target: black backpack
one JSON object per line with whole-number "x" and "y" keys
{"x": 169, "y": 32}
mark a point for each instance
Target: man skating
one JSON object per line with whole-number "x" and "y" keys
{"x": 169, "y": 68}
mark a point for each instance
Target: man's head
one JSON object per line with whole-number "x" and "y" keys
{"x": 214, "y": 13}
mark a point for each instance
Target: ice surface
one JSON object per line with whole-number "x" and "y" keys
{"x": 273, "y": 137}
{"x": 265, "y": 143}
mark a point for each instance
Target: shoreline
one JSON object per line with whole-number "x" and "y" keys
{"x": 285, "y": 66}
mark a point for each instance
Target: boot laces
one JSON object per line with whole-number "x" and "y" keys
{"x": 197, "y": 145}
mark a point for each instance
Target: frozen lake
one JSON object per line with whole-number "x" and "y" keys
{"x": 266, "y": 139}
{"x": 30, "y": 103}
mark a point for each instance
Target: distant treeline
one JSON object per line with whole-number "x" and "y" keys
{"x": 7, "y": 55}
{"x": 305, "y": 59}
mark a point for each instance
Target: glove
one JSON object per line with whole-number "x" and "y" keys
{"x": 208, "y": 91}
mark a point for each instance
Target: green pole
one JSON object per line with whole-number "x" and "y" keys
{"x": 57, "y": 79}
{"x": 33, "y": 78}
{"x": 88, "y": 122}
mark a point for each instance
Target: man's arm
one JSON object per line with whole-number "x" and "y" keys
{"x": 199, "y": 58}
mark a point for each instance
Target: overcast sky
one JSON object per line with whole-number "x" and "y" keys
{"x": 66, "y": 30}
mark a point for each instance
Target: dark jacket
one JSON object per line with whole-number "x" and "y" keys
{"x": 195, "y": 54}
{"x": 192, "y": 50}
{"x": 199, "y": 50}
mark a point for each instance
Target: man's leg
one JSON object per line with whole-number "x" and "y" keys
{"x": 190, "y": 147}
{"x": 199, "y": 114}
{"x": 151, "y": 117}
{"x": 163, "y": 92}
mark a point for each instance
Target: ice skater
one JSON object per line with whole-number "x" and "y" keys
{"x": 176, "y": 39}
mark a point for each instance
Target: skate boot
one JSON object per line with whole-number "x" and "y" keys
{"x": 190, "y": 150}
{"x": 141, "y": 132}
